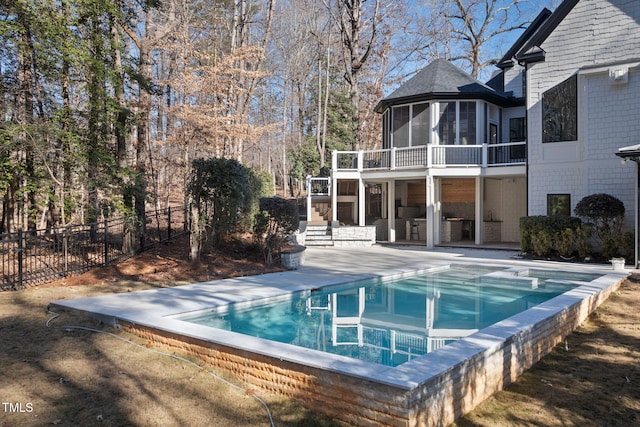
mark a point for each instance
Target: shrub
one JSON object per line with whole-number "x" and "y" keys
{"x": 583, "y": 240}
{"x": 606, "y": 213}
{"x": 542, "y": 243}
{"x": 261, "y": 185}
{"x": 628, "y": 246}
{"x": 275, "y": 221}
{"x": 566, "y": 243}
{"x": 220, "y": 197}
{"x": 552, "y": 226}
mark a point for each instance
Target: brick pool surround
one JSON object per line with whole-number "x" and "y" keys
{"x": 433, "y": 389}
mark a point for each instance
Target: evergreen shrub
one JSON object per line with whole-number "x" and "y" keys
{"x": 544, "y": 234}
{"x": 606, "y": 213}
{"x": 276, "y": 219}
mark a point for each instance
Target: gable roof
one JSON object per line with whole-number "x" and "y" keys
{"x": 442, "y": 80}
{"x": 531, "y": 50}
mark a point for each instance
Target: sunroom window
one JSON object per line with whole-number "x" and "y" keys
{"x": 401, "y": 126}
{"x": 457, "y": 123}
{"x": 420, "y": 124}
{"x": 410, "y": 125}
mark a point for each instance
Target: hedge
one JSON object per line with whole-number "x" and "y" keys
{"x": 543, "y": 234}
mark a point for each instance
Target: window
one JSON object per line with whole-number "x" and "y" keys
{"x": 493, "y": 133}
{"x": 467, "y": 123}
{"x": 517, "y": 133}
{"x": 386, "y": 143}
{"x": 447, "y": 125}
{"x": 401, "y": 126}
{"x": 410, "y": 125}
{"x": 420, "y": 124}
{"x": 457, "y": 123}
{"x": 558, "y": 205}
{"x": 517, "y": 129}
{"x": 560, "y": 112}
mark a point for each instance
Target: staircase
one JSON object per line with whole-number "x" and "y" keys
{"x": 318, "y": 235}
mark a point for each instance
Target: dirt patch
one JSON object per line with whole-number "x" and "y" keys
{"x": 67, "y": 376}
{"x": 168, "y": 264}
{"x": 592, "y": 379}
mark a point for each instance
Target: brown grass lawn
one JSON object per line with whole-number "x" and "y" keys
{"x": 70, "y": 377}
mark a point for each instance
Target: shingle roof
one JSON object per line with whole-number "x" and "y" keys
{"x": 440, "y": 79}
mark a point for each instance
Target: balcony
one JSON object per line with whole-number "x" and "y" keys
{"x": 431, "y": 156}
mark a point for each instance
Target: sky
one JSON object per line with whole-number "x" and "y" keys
{"x": 405, "y": 67}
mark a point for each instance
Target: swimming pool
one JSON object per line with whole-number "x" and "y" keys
{"x": 391, "y": 322}
{"x": 430, "y": 389}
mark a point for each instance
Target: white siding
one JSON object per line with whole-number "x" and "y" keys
{"x": 594, "y": 33}
{"x": 611, "y": 121}
{"x": 507, "y": 201}
{"x": 513, "y": 81}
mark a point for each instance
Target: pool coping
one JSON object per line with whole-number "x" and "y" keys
{"x": 150, "y": 309}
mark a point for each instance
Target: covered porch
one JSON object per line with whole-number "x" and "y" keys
{"x": 433, "y": 210}
{"x": 433, "y": 195}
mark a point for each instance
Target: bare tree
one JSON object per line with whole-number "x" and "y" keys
{"x": 473, "y": 25}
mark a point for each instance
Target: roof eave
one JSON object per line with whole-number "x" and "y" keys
{"x": 531, "y": 57}
{"x": 507, "y": 59}
{"x": 494, "y": 98}
{"x": 631, "y": 152}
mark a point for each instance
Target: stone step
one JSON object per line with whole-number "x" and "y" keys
{"x": 318, "y": 231}
{"x": 318, "y": 243}
{"x": 318, "y": 235}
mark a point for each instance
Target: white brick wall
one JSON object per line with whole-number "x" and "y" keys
{"x": 595, "y": 33}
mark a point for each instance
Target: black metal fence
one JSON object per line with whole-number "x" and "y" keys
{"x": 35, "y": 257}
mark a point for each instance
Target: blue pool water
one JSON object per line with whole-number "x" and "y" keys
{"x": 392, "y": 321}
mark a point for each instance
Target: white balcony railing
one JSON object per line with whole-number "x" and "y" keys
{"x": 431, "y": 156}
{"x": 318, "y": 186}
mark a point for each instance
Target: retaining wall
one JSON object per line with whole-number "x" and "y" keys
{"x": 343, "y": 236}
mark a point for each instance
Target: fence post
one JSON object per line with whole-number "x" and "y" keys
{"x": 169, "y": 223}
{"x": 106, "y": 243}
{"x": 65, "y": 250}
{"x": 20, "y": 247}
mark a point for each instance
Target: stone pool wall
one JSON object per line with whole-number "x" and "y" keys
{"x": 452, "y": 381}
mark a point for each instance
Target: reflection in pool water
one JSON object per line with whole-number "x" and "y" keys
{"x": 391, "y": 322}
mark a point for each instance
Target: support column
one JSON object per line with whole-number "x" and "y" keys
{"x": 479, "y": 208}
{"x": 334, "y": 200}
{"x": 361, "y": 203}
{"x": 432, "y": 218}
{"x": 308, "y": 199}
{"x": 437, "y": 210}
{"x": 391, "y": 210}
